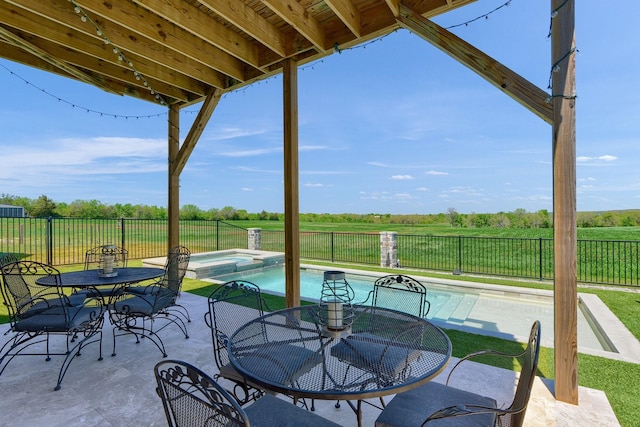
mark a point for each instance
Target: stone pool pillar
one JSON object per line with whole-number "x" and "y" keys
{"x": 254, "y": 239}
{"x": 389, "y": 249}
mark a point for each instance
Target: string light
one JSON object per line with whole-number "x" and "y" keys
{"x": 554, "y": 14}
{"x": 556, "y": 67}
{"x": 139, "y": 76}
{"x": 88, "y": 110}
{"x": 84, "y": 17}
{"x": 485, "y": 16}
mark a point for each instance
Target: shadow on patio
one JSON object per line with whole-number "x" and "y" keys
{"x": 120, "y": 390}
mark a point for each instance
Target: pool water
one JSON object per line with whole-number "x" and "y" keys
{"x": 499, "y": 313}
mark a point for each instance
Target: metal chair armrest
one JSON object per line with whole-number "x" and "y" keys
{"x": 482, "y": 353}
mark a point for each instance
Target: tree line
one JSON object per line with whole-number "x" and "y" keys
{"x": 44, "y": 207}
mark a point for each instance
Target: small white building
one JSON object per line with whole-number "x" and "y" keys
{"x": 10, "y": 211}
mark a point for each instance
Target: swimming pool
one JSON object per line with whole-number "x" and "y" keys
{"x": 485, "y": 309}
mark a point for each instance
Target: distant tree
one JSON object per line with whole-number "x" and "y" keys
{"x": 545, "y": 218}
{"x": 191, "y": 212}
{"x": 43, "y": 207}
{"x": 628, "y": 221}
{"x": 228, "y": 213}
{"x": 242, "y": 214}
{"x": 586, "y": 220}
{"x": 453, "y": 216}
{"x": 125, "y": 211}
{"x": 608, "y": 219}
{"x": 500, "y": 220}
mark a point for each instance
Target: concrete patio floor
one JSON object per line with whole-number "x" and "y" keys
{"x": 120, "y": 390}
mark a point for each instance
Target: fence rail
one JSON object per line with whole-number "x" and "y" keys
{"x": 62, "y": 241}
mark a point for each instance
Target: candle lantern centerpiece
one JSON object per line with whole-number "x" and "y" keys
{"x": 335, "y": 309}
{"x": 109, "y": 261}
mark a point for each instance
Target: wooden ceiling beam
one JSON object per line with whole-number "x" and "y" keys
{"x": 90, "y": 47}
{"x": 193, "y": 20}
{"x": 296, "y": 15}
{"x": 511, "y": 83}
{"x": 62, "y": 11}
{"x": 250, "y": 22}
{"x": 47, "y": 57}
{"x": 167, "y": 34}
{"x": 348, "y": 14}
{"x": 19, "y": 56}
{"x": 119, "y": 78}
{"x": 394, "y": 6}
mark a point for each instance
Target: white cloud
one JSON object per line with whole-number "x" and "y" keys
{"x": 250, "y": 153}
{"x": 310, "y": 184}
{"x": 432, "y": 172}
{"x": 255, "y": 170}
{"x": 312, "y": 147}
{"x": 90, "y": 156}
{"x": 380, "y": 164}
{"x": 402, "y": 177}
{"x": 247, "y": 189}
{"x": 404, "y": 196}
{"x": 422, "y": 189}
{"x": 233, "y": 132}
{"x": 604, "y": 158}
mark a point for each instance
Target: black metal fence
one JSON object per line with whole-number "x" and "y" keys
{"x": 61, "y": 241}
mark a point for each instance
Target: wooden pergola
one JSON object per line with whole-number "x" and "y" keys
{"x": 182, "y": 52}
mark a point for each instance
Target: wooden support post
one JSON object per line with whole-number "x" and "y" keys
{"x": 564, "y": 200}
{"x": 291, "y": 196}
{"x": 174, "y": 178}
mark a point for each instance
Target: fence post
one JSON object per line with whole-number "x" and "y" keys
{"x": 123, "y": 238}
{"x": 459, "y": 271}
{"x": 254, "y": 239}
{"x": 49, "y": 241}
{"x": 389, "y": 249}
{"x": 217, "y": 234}
{"x": 333, "y": 258}
{"x": 540, "y": 251}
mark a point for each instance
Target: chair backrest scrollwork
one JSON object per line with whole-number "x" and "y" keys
{"x": 191, "y": 397}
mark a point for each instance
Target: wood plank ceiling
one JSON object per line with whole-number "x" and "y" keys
{"x": 176, "y": 52}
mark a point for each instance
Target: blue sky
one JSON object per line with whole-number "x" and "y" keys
{"x": 396, "y": 126}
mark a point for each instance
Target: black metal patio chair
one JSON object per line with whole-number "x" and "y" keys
{"x": 222, "y": 318}
{"x": 133, "y": 308}
{"x": 192, "y": 398}
{"x": 231, "y": 305}
{"x": 175, "y": 282}
{"x": 369, "y": 352}
{"x": 7, "y": 258}
{"x": 400, "y": 292}
{"x": 38, "y": 312}
{"x": 443, "y": 405}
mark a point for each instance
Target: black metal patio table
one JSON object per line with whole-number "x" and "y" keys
{"x": 88, "y": 279}
{"x": 383, "y": 352}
